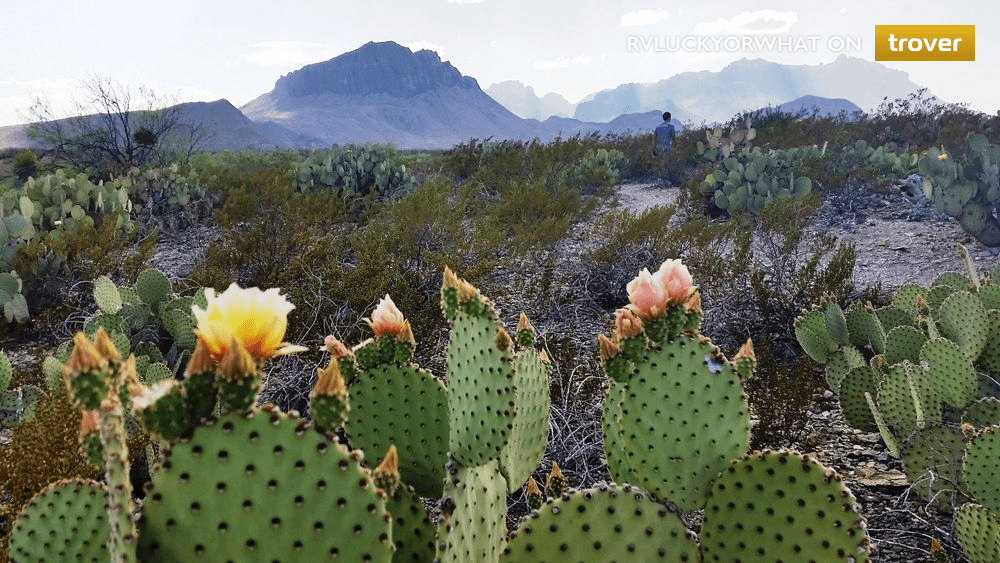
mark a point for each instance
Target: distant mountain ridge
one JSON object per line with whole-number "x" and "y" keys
{"x": 521, "y": 99}
{"x": 749, "y": 84}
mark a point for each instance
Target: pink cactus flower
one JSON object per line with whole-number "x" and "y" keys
{"x": 646, "y": 294}
{"x": 675, "y": 280}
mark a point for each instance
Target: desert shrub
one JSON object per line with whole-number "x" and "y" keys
{"x": 25, "y": 165}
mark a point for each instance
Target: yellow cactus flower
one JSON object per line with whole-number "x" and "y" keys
{"x": 943, "y": 156}
{"x": 256, "y": 318}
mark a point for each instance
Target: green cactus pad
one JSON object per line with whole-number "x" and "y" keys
{"x": 153, "y": 287}
{"x": 180, "y": 324}
{"x": 978, "y": 531}
{"x": 684, "y": 418}
{"x": 609, "y": 524}
{"x": 840, "y": 363}
{"x": 135, "y": 316}
{"x": 616, "y": 447}
{"x": 955, "y": 280}
{"x": 406, "y": 406}
{"x": 6, "y": 371}
{"x": 413, "y": 533}
{"x": 866, "y": 329}
{"x": 932, "y": 461}
{"x": 906, "y": 299}
{"x": 982, "y": 413}
{"x": 129, "y": 296}
{"x": 52, "y": 367}
{"x": 836, "y": 323}
{"x": 963, "y": 320}
{"x": 813, "y": 336}
{"x": 262, "y": 487}
{"x": 106, "y": 295}
{"x": 903, "y": 343}
{"x": 110, "y": 323}
{"x": 883, "y": 429}
{"x": 782, "y": 506}
{"x": 480, "y": 389}
{"x": 951, "y": 371}
{"x": 908, "y": 398}
{"x": 530, "y": 434}
{"x": 66, "y": 521}
{"x": 852, "y": 398}
{"x": 979, "y": 466}
{"x": 475, "y": 520}
{"x": 890, "y": 317}
{"x": 989, "y": 358}
{"x": 990, "y": 295}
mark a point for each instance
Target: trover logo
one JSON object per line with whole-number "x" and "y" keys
{"x": 925, "y": 42}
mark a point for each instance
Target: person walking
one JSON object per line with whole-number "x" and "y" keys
{"x": 663, "y": 137}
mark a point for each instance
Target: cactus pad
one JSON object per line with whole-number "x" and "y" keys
{"x": 684, "y": 419}
{"x": 852, "y": 398}
{"x": 480, "y": 388}
{"x": 932, "y": 461}
{"x": 903, "y": 343}
{"x": 982, "y": 456}
{"x": 782, "y": 506}
{"x": 609, "y": 523}
{"x": 906, "y": 299}
{"x": 412, "y": 530}
{"x": 978, "y": 531}
{"x": 529, "y": 437}
{"x": 67, "y": 521}
{"x": 106, "y": 295}
{"x": 153, "y": 287}
{"x": 907, "y": 398}
{"x": 990, "y": 356}
{"x": 475, "y": 523}
{"x": 262, "y": 487}
{"x": 982, "y": 413}
{"x": 406, "y": 406}
{"x": 866, "y": 329}
{"x": 840, "y": 363}
{"x": 6, "y": 372}
{"x": 951, "y": 371}
{"x": 963, "y": 320}
{"x": 890, "y": 317}
{"x": 812, "y": 334}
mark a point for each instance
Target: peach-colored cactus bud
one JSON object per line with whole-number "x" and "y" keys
{"x": 533, "y": 487}
{"x": 524, "y": 324}
{"x": 201, "y": 360}
{"x": 693, "y": 302}
{"x": 627, "y": 324}
{"x": 337, "y": 348}
{"x": 85, "y": 357}
{"x": 544, "y": 356}
{"x": 466, "y": 291}
{"x": 237, "y": 363}
{"x": 646, "y": 295}
{"x": 608, "y": 348}
{"x": 105, "y": 347}
{"x": 503, "y": 341}
{"x": 329, "y": 382}
{"x": 746, "y": 351}
{"x": 90, "y": 423}
{"x": 676, "y": 281}
{"x": 387, "y": 320}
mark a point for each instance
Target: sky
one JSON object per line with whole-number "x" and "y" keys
{"x": 204, "y": 50}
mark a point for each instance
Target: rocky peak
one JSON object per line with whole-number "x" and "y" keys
{"x": 375, "y": 68}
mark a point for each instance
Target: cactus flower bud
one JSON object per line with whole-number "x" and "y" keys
{"x": 337, "y": 348}
{"x": 943, "y": 156}
{"x": 329, "y": 382}
{"x": 745, "y": 361}
{"x": 90, "y": 423}
{"x": 693, "y": 302}
{"x": 387, "y": 320}
{"x": 237, "y": 363}
{"x": 201, "y": 360}
{"x": 524, "y": 324}
{"x": 386, "y": 475}
{"x": 627, "y": 324}
{"x": 85, "y": 357}
{"x": 104, "y": 346}
{"x": 608, "y": 348}
{"x": 534, "y": 494}
{"x": 647, "y": 295}
{"x": 676, "y": 281}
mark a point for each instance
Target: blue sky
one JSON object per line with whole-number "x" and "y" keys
{"x": 206, "y": 50}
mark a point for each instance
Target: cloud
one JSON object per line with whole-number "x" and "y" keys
{"x": 560, "y": 62}
{"x": 643, "y": 17}
{"x": 760, "y": 21}
{"x": 418, "y": 45}
{"x": 287, "y": 53}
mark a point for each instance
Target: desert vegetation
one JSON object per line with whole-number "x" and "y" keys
{"x": 117, "y": 372}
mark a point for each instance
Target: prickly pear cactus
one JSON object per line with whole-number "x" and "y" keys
{"x": 475, "y": 523}
{"x": 67, "y": 521}
{"x": 979, "y": 468}
{"x": 529, "y": 435}
{"x": 262, "y": 487}
{"x": 755, "y": 513}
{"x": 617, "y": 523}
{"x": 932, "y": 461}
{"x": 978, "y": 531}
{"x": 402, "y": 405}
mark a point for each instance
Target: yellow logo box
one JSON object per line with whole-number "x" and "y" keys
{"x": 925, "y": 42}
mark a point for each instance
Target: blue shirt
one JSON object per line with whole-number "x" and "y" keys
{"x": 664, "y": 136}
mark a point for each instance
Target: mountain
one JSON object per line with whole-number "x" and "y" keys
{"x": 385, "y": 93}
{"x": 224, "y": 128}
{"x": 821, "y": 106}
{"x": 748, "y": 84}
{"x": 521, "y": 100}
